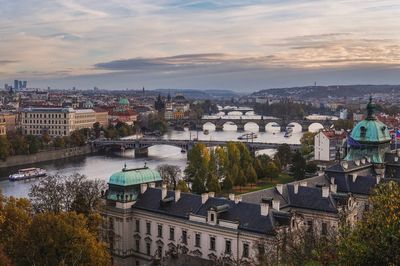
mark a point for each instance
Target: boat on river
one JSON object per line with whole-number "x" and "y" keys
{"x": 248, "y": 136}
{"x": 288, "y": 132}
{"x": 27, "y": 173}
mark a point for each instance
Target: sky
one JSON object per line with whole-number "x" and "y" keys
{"x": 244, "y": 45}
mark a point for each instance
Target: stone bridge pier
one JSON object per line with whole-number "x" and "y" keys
{"x": 141, "y": 152}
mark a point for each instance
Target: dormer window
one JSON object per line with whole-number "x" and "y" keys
{"x": 212, "y": 217}
{"x": 363, "y": 132}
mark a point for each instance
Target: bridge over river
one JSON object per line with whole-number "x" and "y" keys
{"x": 141, "y": 145}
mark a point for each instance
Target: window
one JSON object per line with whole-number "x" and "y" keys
{"x": 324, "y": 229}
{"x": 137, "y": 226}
{"x": 245, "y": 250}
{"x": 184, "y": 236}
{"x": 171, "y": 233}
{"x": 261, "y": 249}
{"x": 159, "y": 251}
{"x": 197, "y": 240}
{"x": 148, "y": 228}
{"x": 309, "y": 226}
{"x": 159, "y": 230}
{"x": 137, "y": 245}
{"x": 228, "y": 247}
{"x": 148, "y": 249}
{"x": 212, "y": 217}
{"x": 212, "y": 243}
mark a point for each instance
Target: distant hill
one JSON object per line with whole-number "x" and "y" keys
{"x": 329, "y": 91}
{"x": 199, "y": 94}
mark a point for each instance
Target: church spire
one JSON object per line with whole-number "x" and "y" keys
{"x": 370, "y": 110}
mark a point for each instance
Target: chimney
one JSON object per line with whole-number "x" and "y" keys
{"x": 354, "y": 178}
{"x": 164, "y": 191}
{"x": 325, "y": 192}
{"x": 211, "y": 194}
{"x": 231, "y": 196}
{"x": 296, "y": 188}
{"x": 264, "y": 209}
{"x": 279, "y": 187}
{"x": 238, "y": 199}
{"x": 143, "y": 188}
{"x": 152, "y": 185}
{"x": 177, "y": 195}
{"x": 333, "y": 188}
{"x": 276, "y": 204}
{"x": 303, "y": 183}
{"x": 378, "y": 179}
{"x": 332, "y": 180}
{"x": 204, "y": 198}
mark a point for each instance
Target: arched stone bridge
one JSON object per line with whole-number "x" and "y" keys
{"x": 141, "y": 145}
{"x": 241, "y": 122}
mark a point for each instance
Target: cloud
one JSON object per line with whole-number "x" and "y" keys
{"x": 53, "y": 39}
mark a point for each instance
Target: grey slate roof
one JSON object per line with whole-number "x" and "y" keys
{"x": 363, "y": 185}
{"x": 248, "y": 215}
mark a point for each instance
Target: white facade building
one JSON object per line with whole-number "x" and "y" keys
{"x": 55, "y": 121}
{"x": 327, "y": 144}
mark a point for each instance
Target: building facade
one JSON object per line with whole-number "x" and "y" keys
{"x": 10, "y": 120}
{"x": 150, "y": 223}
{"x": 55, "y": 121}
{"x": 327, "y": 144}
{"x": 3, "y": 129}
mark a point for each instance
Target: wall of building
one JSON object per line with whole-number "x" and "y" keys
{"x": 124, "y": 225}
{"x": 3, "y": 129}
{"x": 45, "y": 156}
{"x": 321, "y": 147}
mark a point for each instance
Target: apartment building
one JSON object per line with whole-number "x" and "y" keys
{"x": 327, "y": 144}
{"x": 55, "y": 121}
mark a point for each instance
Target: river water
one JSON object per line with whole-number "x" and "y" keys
{"x": 102, "y": 166}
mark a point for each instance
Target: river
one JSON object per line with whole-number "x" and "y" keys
{"x": 102, "y": 166}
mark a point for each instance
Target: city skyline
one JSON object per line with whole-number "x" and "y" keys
{"x": 239, "y": 45}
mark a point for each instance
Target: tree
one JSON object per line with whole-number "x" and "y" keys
{"x": 227, "y": 183}
{"x": 97, "y": 129}
{"x": 4, "y": 148}
{"x": 213, "y": 183}
{"x": 298, "y": 166}
{"x": 251, "y": 174}
{"x": 241, "y": 180}
{"x": 307, "y": 143}
{"x": 284, "y": 155}
{"x": 34, "y": 144}
{"x": 271, "y": 170}
{"x": 258, "y": 168}
{"x": 376, "y": 239}
{"x": 344, "y": 124}
{"x": 311, "y": 167}
{"x": 66, "y": 193}
{"x": 182, "y": 186}
{"x": 170, "y": 174}
{"x": 197, "y": 167}
{"x": 59, "y": 142}
{"x": 63, "y": 239}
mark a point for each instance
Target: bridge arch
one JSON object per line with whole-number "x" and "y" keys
{"x": 272, "y": 127}
{"x": 296, "y": 127}
{"x": 315, "y": 127}
{"x": 209, "y": 126}
{"x": 251, "y": 126}
{"x": 229, "y": 126}
{"x": 235, "y": 113}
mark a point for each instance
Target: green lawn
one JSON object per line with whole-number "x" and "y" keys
{"x": 264, "y": 183}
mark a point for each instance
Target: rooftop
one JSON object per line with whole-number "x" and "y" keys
{"x": 136, "y": 176}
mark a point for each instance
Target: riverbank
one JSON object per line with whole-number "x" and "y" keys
{"x": 45, "y": 156}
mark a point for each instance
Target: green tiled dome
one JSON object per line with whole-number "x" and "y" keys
{"x": 123, "y": 101}
{"x": 130, "y": 177}
{"x": 371, "y": 131}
